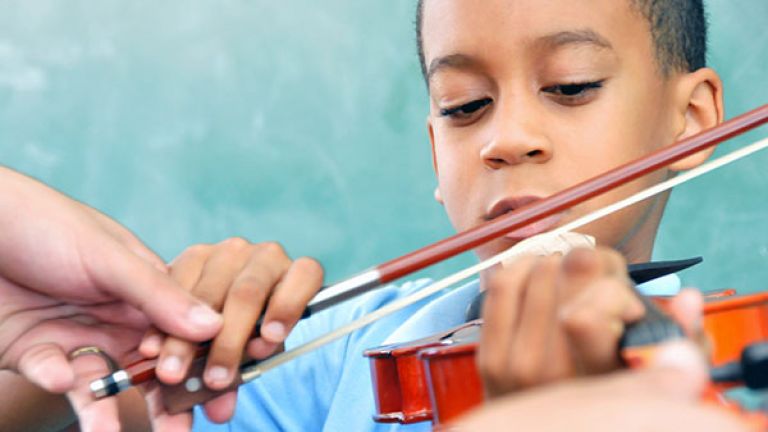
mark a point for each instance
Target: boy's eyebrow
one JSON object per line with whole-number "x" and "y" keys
{"x": 578, "y": 37}
{"x": 554, "y": 40}
{"x": 457, "y": 61}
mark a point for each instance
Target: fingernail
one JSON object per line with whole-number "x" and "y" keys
{"x": 151, "y": 344}
{"x": 203, "y": 316}
{"x": 217, "y": 375}
{"x": 274, "y": 331}
{"x": 171, "y": 364}
{"x": 679, "y": 355}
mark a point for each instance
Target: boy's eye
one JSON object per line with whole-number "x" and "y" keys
{"x": 574, "y": 93}
{"x": 465, "y": 110}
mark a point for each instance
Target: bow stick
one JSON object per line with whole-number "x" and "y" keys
{"x": 458, "y": 243}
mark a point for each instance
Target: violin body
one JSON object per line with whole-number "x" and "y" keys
{"x": 733, "y": 322}
{"x": 436, "y": 378}
{"x": 451, "y": 370}
{"x": 401, "y": 392}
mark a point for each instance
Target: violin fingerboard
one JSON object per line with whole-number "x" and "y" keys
{"x": 654, "y": 328}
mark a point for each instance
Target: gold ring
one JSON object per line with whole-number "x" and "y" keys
{"x": 94, "y": 350}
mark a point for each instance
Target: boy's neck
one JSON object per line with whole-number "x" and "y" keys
{"x": 637, "y": 246}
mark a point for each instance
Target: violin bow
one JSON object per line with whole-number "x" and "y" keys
{"x": 191, "y": 391}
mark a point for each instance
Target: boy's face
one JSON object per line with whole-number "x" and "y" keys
{"x": 529, "y": 97}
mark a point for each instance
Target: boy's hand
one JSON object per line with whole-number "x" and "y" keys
{"x": 548, "y": 318}
{"x": 242, "y": 280}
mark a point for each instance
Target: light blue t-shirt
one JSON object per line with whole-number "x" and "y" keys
{"x": 330, "y": 389}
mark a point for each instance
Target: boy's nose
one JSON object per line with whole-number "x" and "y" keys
{"x": 515, "y": 142}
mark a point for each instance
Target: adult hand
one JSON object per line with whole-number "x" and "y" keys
{"x": 70, "y": 277}
{"x": 664, "y": 397}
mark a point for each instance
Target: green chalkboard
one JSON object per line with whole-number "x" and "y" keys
{"x": 300, "y": 121}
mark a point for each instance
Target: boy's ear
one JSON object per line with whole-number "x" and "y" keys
{"x": 431, "y": 130}
{"x": 699, "y": 106}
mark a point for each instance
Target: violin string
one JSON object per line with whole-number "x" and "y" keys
{"x": 254, "y": 371}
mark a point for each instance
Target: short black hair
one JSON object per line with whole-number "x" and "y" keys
{"x": 678, "y": 29}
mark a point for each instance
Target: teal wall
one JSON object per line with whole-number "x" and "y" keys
{"x": 300, "y": 121}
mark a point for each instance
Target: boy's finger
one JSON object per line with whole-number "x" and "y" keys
{"x": 161, "y": 420}
{"x": 174, "y": 359}
{"x": 185, "y": 270}
{"x": 534, "y": 356}
{"x": 613, "y": 263}
{"x": 222, "y": 408}
{"x": 500, "y": 312}
{"x": 208, "y": 272}
{"x": 580, "y": 267}
{"x": 581, "y": 263}
{"x": 260, "y": 348}
{"x": 595, "y": 320}
{"x": 151, "y": 343}
{"x": 188, "y": 266}
{"x": 228, "y": 347}
{"x": 243, "y": 306}
{"x": 300, "y": 283}
{"x": 219, "y": 271}
{"x": 129, "y": 278}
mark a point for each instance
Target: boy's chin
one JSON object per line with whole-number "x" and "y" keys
{"x": 496, "y": 247}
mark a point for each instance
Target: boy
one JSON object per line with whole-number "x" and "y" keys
{"x": 527, "y": 97}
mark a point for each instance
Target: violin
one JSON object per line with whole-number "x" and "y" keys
{"x": 190, "y": 391}
{"x": 436, "y": 378}
{"x": 404, "y": 392}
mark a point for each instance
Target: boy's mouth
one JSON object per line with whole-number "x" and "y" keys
{"x": 507, "y": 205}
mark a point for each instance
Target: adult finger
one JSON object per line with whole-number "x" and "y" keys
{"x": 41, "y": 354}
{"x": 47, "y": 366}
{"x": 684, "y": 357}
{"x": 686, "y": 309}
{"x": 121, "y": 273}
{"x": 619, "y": 401}
{"x": 126, "y": 237}
{"x": 101, "y": 415}
{"x": 185, "y": 270}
